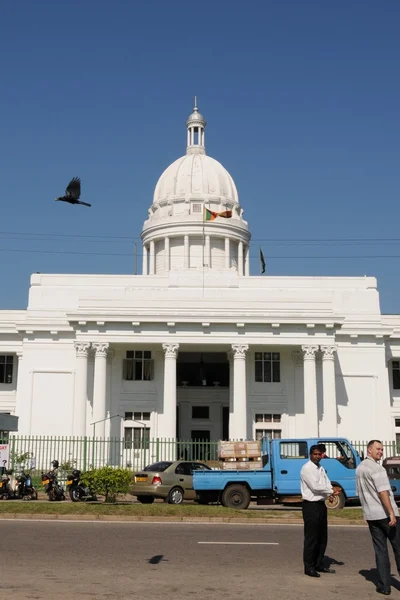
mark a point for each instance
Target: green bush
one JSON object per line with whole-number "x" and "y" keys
{"x": 108, "y": 482}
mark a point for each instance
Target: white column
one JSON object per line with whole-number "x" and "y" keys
{"x": 152, "y": 258}
{"x": 169, "y": 409}
{"x": 231, "y": 412}
{"x": 227, "y": 253}
{"x": 100, "y": 390}
{"x": 166, "y": 255}
{"x": 186, "y": 251}
{"x": 188, "y": 137}
{"x": 80, "y": 396}
{"x": 239, "y": 392}
{"x": 310, "y": 390}
{"x": 297, "y": 425}
{"x": 247, "y": 261}
{"x": 207, "y": 255}
{"x": 329, "y": 419}
{"x": 240, "y": 258}
{"x": 144, "y": 260}
{"x": 19, "y": 407}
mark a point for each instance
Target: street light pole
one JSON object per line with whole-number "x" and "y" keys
{"x": 102, "y": 421}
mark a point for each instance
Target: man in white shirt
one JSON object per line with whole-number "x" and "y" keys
{"x": 380, "y": 512}
{"x": 315, "y": 488}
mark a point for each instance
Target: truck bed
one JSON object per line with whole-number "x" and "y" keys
{"x": 257, "y": 479}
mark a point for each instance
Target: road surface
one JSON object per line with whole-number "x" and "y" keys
{"x": 161, "y": 561}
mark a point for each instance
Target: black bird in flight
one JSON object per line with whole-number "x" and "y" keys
{"x": 73, "y": 193}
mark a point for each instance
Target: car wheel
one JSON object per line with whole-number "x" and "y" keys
{"x": 236, "y": 496}
{"x": 336, "y": 502}
{"x": 145, "y": 499}
{"x": 175, "y": 496}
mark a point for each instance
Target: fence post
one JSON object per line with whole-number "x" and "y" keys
{"x": 157, "y": 449}
{"x": 12, "y": 452}
{"x": 85, "y": 453}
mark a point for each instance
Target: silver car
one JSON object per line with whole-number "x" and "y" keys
{"x": 171, "y": 481}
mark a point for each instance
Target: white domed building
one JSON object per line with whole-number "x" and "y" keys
{"x": 196, "y": 348}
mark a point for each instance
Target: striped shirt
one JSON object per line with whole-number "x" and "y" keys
{"x": 371, "y": 479}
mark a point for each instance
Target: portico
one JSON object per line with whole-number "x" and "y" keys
{"x": 228, "y": 409}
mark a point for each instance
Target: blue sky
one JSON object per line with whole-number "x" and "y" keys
{"x": 302, "y": 103}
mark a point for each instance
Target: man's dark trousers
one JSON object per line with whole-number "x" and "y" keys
{"x": 315, "y": 533}
{"x": 381, "y": 533}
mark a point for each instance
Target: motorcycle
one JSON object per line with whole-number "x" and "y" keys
{"x": 24, "y": 489}
{"x": 52, "y": 488}
{"x": 78, "y": 492}
{"x": 6, "y": 488}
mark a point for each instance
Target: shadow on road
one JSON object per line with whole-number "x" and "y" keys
{"x": 154, "y": 560}
{"x": 329, "y": 561}
{"x": 372, "y": 576}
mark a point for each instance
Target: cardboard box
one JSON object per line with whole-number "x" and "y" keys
{"x": 240, "y": 465}
{"x": 246, "y": 449}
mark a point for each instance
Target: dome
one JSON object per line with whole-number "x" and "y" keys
{"x": 195, "y": 223}
{"x": 196, "y": 176}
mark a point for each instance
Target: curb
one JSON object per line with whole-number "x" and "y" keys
{"x": 158, "y": 519}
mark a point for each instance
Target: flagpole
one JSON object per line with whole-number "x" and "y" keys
{"x": 204, "y": 240}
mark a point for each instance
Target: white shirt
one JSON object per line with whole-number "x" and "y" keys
{"x": 371, "y": 479}
{"x": 315, "y": 484}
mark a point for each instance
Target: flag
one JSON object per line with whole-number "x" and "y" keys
{"x": 210, "y": 215}
{"x": 262, "y": 261}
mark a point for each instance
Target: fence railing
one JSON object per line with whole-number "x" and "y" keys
{"x": 83, "y": 453}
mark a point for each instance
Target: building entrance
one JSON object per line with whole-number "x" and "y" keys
{"x": 202, "y": 396}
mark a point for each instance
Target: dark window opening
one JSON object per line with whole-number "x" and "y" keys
{"x": 267, "y": 367}
{"x": 396, "y": 374}
{"x": 200, "y": 412}
{"x": 137, "y": 438}
{"x": 6, "y": 368}
{"x": 138, "y": 366}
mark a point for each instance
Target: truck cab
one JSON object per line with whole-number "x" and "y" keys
{"x": 339, "y": 461}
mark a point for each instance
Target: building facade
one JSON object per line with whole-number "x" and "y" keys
{"x": 195, "y": 347}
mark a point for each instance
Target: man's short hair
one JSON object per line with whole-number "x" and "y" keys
{"x": 372, "y": 442}
{"x": 321, "y": 447}
{"x": 315, "y": 447}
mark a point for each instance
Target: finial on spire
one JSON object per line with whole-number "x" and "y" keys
{"x": 195, "y": 103}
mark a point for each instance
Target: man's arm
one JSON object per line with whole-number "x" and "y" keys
{"x": 387, "y": 505}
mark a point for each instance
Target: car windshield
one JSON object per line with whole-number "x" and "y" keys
{"x": 159, "y": 466}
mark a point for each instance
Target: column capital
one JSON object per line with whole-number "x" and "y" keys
{"x": 239, "y": 350}
{"x": 309, "y": 352}
{"x": 82, "y": 349}
{"x": 170, "y": 350}
{"x": 19, "y": 354}
{"x": 328, "y": 352}
{"x": 101, "y": 348}
{"x": 297, "y": 357}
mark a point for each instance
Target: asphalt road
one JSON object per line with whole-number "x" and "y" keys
{"x": 101, "y": 560}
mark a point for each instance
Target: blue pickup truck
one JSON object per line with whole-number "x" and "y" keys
{"x": 278, "y": 482}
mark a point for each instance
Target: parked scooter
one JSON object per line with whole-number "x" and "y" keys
{"x": 24, "y": 489}
{"x": 52, "y": 488}
{"x": 78, "y": 492}
{"x": 6, "y": 487}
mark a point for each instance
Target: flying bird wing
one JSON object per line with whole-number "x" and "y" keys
{"x": 74, "y": 188}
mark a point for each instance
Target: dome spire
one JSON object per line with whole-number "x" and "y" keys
{"x": 196, "y": 125}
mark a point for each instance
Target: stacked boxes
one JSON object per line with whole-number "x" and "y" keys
{"x": 242, "y": 456}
